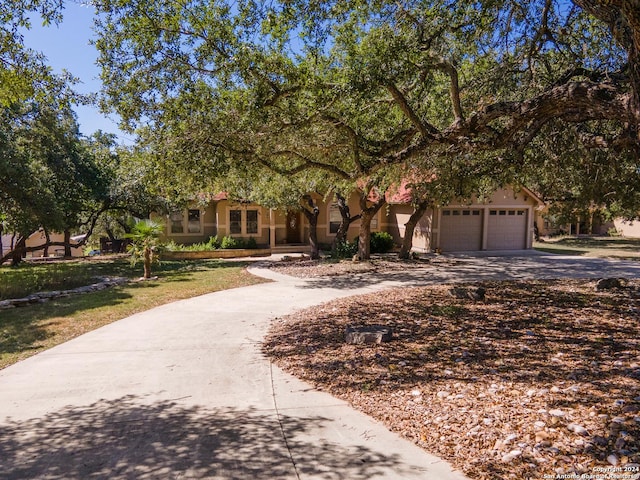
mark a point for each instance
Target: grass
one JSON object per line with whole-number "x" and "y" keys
{"x": 603, "y": 247}
{"x": 32, "y": 277}
{"x": 28, "y": 330}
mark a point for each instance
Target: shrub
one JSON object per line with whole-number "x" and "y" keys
{"x": 213, "y": 243}
{"x": 346, "y": 249}
{"x": 381, "y": 242}
{"x": 229, "y": 242}
{"x": 251, "y": 244}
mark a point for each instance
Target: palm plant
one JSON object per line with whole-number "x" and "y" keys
{"x": 145, "y": 240}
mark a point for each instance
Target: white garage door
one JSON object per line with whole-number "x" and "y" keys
{"x": 507, "y": 229}
{"x": 460, "y": 230}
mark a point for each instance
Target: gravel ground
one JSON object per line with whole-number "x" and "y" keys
{"x": 538, "y": 378}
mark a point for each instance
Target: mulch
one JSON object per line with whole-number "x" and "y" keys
{"x": 538, "y": 378}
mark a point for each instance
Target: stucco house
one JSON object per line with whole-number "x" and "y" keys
{"x": 502, "y": 222}
{"x": 38, "y": 238}
{"x": 628, "y": 228}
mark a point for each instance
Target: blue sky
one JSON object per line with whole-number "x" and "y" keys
{"x": 66, "y": 46}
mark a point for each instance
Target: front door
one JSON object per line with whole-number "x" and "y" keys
{"x": 293, "y": 227}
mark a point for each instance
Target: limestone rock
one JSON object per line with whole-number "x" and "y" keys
{"x": 368, "y": 334}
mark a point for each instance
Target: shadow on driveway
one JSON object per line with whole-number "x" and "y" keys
{"x": 129, "y": 438}
{"x": 483, "y": 267}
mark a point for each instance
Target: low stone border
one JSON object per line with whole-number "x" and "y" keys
{"x": 222, "y": 253}
{"x": 42, "y": 297}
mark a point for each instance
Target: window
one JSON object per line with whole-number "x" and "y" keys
{"x": 334, "y": 218}
{"x": 520, "y": 212}
{"x": 476, "y": 213}
{"x": 502, "y": 212}
{"x": 466, "y": 213}
{"x": 446, "y": 213}
{"x": 493, "y": 212}
{"x": 193, "y": 224}
{"x": 456, "y": 213}
{"x": 243, "y": 222}
{"x": 235, "y": 222}
{"x": 176, "y": 222}
{"x": 252, "y": 221}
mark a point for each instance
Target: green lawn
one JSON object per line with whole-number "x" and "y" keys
{"x": 25, "y": 331}
{"x": 604, "y": 247}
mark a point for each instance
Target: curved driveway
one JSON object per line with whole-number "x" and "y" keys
{"x": 182, "y": 391}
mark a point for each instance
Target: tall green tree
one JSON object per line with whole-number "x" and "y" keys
{"x": 355, "y": 88}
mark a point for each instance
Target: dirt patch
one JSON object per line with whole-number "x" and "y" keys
{"x": 540, "y": 378}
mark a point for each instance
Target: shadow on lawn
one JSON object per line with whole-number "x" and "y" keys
{"x": 23, "y": 328}
{"x": 129, "y": 438}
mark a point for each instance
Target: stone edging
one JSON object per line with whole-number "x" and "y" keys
{"x": 42, "y": 297}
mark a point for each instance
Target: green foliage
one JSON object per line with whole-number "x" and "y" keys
{"x": 212, "y": 244}
{"x": 229, "y": 242}
{"x": 381, "y": 242}
{"x": 353, "y": 94}
{"x": 251, "y": 244}
{"x": 346, "y": 249}
{"x": 28, "y": 278}
{"x": 145, "y": 243}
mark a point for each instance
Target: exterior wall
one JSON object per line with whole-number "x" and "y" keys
{"x": 207, "y": 225}
{"x": 223, "y": 220}
{"x": 274, "y": 227}
{"x": 39, "y": 238}
{"x": 628, "y": 229}
{"x": 398, "y": 215}
{"x": 502, "y": 199}
{"x": 549, "y": 226}
{"x": 6, "y": 244}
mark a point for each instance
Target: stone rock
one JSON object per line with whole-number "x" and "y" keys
{"x": 477, "y": 294}
{"x": 513, "y": 454}
{"x": 578, "y": 429}
{"x": 21, "y": 302}
{"x": 608, "y": 284}
{"x": 6, "y": 304}
{"x": 368, "y": 334}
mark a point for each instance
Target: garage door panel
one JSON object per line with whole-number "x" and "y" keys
{"x": 461, "y": 230}
{"x": 507, "y": 229}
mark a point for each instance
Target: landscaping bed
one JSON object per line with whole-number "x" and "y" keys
{"x": 539, "y": 378}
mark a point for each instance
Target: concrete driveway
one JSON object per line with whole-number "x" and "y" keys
{"x": 183, "y": 391}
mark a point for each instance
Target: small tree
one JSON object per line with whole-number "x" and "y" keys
{"x": 144, "y": 236}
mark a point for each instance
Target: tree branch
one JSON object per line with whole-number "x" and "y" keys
{"x": 425, "y": 129}
{"x": 454, "y": 88}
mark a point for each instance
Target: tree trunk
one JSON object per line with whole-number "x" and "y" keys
{"x": 18, "y": 251}
{"x": 409, "y": 228}
{"x": 148, "y": 257}
{"x": 345, "y": 223}
{"x": 366, "y": 215}
{"x": 47, "y": 237}
{"x": 67, "y": 244}
{"x": 364, "y": 236}
{"x": 311, "y": 211}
